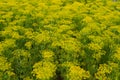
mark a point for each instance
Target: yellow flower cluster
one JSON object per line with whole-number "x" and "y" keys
{"x": 44, "y": 36}
{"x": 117, "y": 54}
{"x": 47, "y": 54}
{"x": 4, "y": 65}
{"x": 70, "y": 45}
{"x": 77, "y": 73}
{"x": 103, "y": 71}
{"x": 95, "y": 47}
{"x": 28, "y": 45}
{"x": 98, "y": 55}
{"x": 21, "y": 52}
{"x": 68, "y": 39}
{"x": 9, "y": 43}
{"x": 44, "y": 70}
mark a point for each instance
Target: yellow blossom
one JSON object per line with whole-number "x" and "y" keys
{"x": 117, "y": 54}
{"x": 47, "y": 54}
{"x": 77, "y": 73}
{"x": 44, "y": 70}
{"x": 28, "y": 44}
{"x": 4, "y": 65}
{"x": 102, "y": 71}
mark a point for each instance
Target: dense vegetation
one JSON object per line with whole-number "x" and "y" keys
{"x": 59, "y": 40}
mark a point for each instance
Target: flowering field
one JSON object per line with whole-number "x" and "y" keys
{"x": 59, "y": 40}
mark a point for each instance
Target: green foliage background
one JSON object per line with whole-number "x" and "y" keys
{"x": 59, "y": 40}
